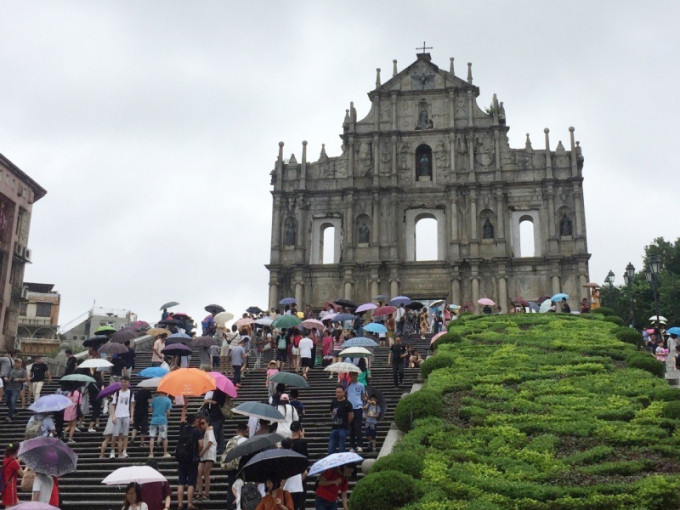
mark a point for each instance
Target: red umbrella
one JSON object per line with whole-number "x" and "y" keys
{"x": 520, "y": 300}
{"x": 384, "y": 310}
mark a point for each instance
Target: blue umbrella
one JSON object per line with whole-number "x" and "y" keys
{"x": 342, "y": 317}
{"x": 400, "y": 300}
{"x": 334, "y": 460}
{"x": 50, "y": 404}
{"x": 559, "y": 296}
{"x": 674, "y": 331}
{"x": 288, "y": 301}
{"x": 150, "y": 372}
{"x": 359, "y": 341}
{"x": 533, "y": 306}
{"x": 374, "y": 327}
{"x": 178, "y": 338}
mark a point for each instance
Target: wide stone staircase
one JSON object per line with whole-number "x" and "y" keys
{"x": 83, "y": 489}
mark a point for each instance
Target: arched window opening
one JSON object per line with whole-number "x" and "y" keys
{"x": 426, "y": 239}
{"x": 423, "y": 163}
{"x": 328, "y": 244}
{"x": 526, "y": 237}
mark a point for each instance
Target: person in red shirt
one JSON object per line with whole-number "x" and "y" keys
{"x": 11, "y": 469}
{"x": 332, "y": 483}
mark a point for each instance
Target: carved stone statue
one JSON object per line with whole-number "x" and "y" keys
{"x": 422, "y": 119}
{"x": 424, "y": 166}
{"x": 289, "y": 232}
{"x": 565, "y": 225}
{"x": 487, "y": 230}
{"x": 364, "y": 233}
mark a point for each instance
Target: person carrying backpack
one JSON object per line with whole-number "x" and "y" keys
{"x": 186, "y": 453}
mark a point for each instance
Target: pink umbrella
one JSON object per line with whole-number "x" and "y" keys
{"x": 245, "y": 321}
{"x": 224, "y": 384}
{"x": 438, "y": 335}
{"x": 312, "y": 323}
{"x": 485, "y": 301}
{"x": 384, "y": 310}
{"x": 366, "y": 307}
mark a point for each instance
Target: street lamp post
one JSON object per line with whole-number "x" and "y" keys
{"x": 652, "y": 274}
{"x": 628, "y": 277}
{"x": 610, "y": 281}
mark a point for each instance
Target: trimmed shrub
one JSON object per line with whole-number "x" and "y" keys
{"x": 420, "y": 404}
{"x": 672, "y": 409}
{"x": 440, "y": 360}
{"x": 405, "y": 462}
{"x": 629, "y": 336}
{"x": 604, "y": 310}
{"x": 384, "y": 490}
{"x": 645, "y": 361}
{"x": 450, "y": 337}
{"x": 614, "y": 319}
{"x": 666, "y": 394}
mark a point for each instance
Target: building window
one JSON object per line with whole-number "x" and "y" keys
{"x": 423, "y": 163}
{"x": 328, "y": 245}
{"x": 43, "y": 309}
{"x": 526, "y": 237}
{"x": 426, "y": 239}
{"x": 22, "y": 309}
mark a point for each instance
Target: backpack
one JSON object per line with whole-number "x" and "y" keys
{"x": 226, "y": 408}
{"x": 233, "y": 463}
{"x": 250, "y": 497}
{"x": 33, "y": 429}
{"x": 282, "y": 343}
{"x": 186, "y": 451}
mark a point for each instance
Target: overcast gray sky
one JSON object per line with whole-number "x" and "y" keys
{"x": 154, "y": 124}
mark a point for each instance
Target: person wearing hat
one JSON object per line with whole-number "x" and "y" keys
{"x": 272, "y": 370}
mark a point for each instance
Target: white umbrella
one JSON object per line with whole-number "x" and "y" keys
{"x": 342, "y": 368}
{"x": 223, "y": 317}
{"x": 139, "y": 474}
{"x": 657, "y": 318}
{"x": 149, "y": 383}
{"x": 95, "y": 363}
{"x": 356, "y": 352}
{"x": 264, "y": 321}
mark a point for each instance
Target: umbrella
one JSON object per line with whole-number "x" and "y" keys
{"x": 78, "y": 378}
{"x": 158, "y": 331}
{"x": 400, "y": 300}
{"x": 342, "y": 317}
{"x": 468, "y": 305}
{"x": 334, "y": 460}
{"x": 312, "y": 323}
{"x": 254, "y": 445}
{"x": 244, "y": 321}
{"x": 259, "y": 410}
{"x": 254, "y": 310}
{"x": 139, "y": 325}
{"x": 139, "y": 474}
{"x": 188, "y": 382}
{"x": 264, "y": 321}
{"x": 95, "y": 341}
{"x": 112, "y": 348}
{"x": 224, "y": 384}
{"x": 50, "y": 404}
{"x": 374, "y": 327}
{"x": 34, "y": 505}
{"x": 328, "y": 316}
{"x": 288, "y": 301}
{"x": 278, "y": 463}
{"x": 153, "y": 372}
{"x": 290, "y": 379}
{"x": 520, "y": 300}
{"x": 356, "y": 352}
{"x": 366, "y": 307}
{"x": 592, "y": 285}
{"x": 559, "y": 297}
{"x": 545, "y": 306}
{"x": 541, "y": 299}
{"x": 149, "y": 383}
{"x": 384, "y": 310}
{"x": 486, "y": 302}
{"x": 674, "y": 331}
{"x": 657, "y": 318}
{"x": 346, "y": 303}
{"x": 213, "y": 309}
{"x": 359, "y": 341}
{"x": 181, "y": 316}
{"x": 176, "y": 350}
{"x": 178, "y": 338}
{"x": 171, "y": 323}
{"x": 169, "y": 304}
{"x": 534, "y": 306}
{"x": 109, "y": 390}
{"x": 95, "y": 363}
{"x": 122, "y": 336}
{"x": 105, "y": 330}
{"x": 415, "y": 305}
{"x": 437, "y": 336}
{"x": 203, "y": 341}
{"x": 435, "y": 304}
{"x": 48, "y": 455}
{"x": 223, "y": 317}
{"x": 285, "y": 321}
{"x": 342, "y": 368}
{"x": 380, "y": 297}
{"x": 454, "y": 306}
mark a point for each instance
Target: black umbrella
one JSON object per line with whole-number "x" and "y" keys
{"x": 171, "y": 322}
{"x": 123, "y": 336}
{"x": 415, "y": 305}
{"x": 214, "y": 309}
{"x": 278, "y": 464}
{"x": 254, "y": 310}
{"x": 380, "y": 297}
{"x": 254, "y": 445}
{"x": 169, "y": 304}
{"x": 112, "y": 348}
{"x": 95, "y": 341}
{"x": 178, "y": 340}
{"x": 176, "y": 350}
{"x": 346, "y": 303}
{"x": 203, "y": 341}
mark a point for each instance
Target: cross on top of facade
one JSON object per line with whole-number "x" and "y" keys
{"x": 425, "y": 48}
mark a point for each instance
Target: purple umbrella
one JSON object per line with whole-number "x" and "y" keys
{"x": 35, "y": 505}
{"x": 48, "y": 455}
{"x": 50, "y": 404}
{"x": 177, "y": 349}
{"x": 112, "y": 348}
{"x": 110, "y": 390}
{"x": 287, "y": 301}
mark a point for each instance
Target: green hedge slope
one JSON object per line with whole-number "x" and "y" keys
{"x": 541, "y": 412}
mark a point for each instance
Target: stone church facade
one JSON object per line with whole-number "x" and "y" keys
{"x": 427, "y": 150}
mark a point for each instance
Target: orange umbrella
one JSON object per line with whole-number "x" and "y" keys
{"x": 188, "y": 382}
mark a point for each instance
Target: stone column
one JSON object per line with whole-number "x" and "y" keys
{"x": 351, "y": 156}
{"x": 572, "y": 154}
{"x": 556, "y": 287}
{"x": 582, "y": 280}
{"x": 393, "y": 99}
{"x": 552, "y": 231}
{"x": 455, "y": 291}
{"x": 303, "y": 169}
{"x": 500, "y": 216}
{"x": 349, "y": 227}
{"x": 548, "y": 158}
{"x": 473, "y": 215}
{"x": 375, "y": 288}
{"x": 579, "y": 220}
{"x": 475, "y": 290}
{"x": 276, "y": 224}
{"x": 394, "y": 288}
{"x": 376, "y": 159}
{"x": 503, "y": 293}
{"x": 452, "y": 110}
{"x": 273, "y": 293}
{"x": 394, "y": 240}
{"x": 376, "y": 112}
{"x": 348, "y": 290}
{"x": 299, "y": 294}
{"x": 375, "y": 211}
{"x": 454, "y": 217}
